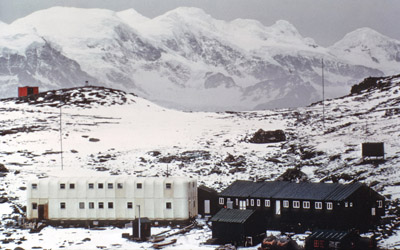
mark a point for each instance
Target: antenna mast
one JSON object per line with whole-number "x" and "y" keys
{"x": 61, "y": 145}
{"x": 323, "y": 95}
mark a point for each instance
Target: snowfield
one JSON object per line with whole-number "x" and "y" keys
{"x": 107, "y": 131}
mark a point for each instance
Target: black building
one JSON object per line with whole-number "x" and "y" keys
{"x": 299, "y": 206}
{"x": 338, "y": 240}
{"x": 207, "y": 201}
{"x": 239, "y": 227}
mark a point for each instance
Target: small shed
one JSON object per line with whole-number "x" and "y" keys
{"x": 145, "y": 229}
{"x": 338, "y": 240}
{"x": 26, "y": 91}
{"x": 240, "y": 227}
{"x": 208, "y": 201}
{"x": 373, "y": 151}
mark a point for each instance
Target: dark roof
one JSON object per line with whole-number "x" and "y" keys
{"x": 329, "y": 235}
{"x": 241, "y": 188}
{"x": 207, "y": 189}
{"x": 232, "y": 215}
{"x": 291, "y": 190}
{"x": 269, "y": 189}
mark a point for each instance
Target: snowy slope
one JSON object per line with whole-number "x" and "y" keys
{"x": 107, "y": 131}
{"x": 370, "y": 47}
{"x": 183, "y": 59}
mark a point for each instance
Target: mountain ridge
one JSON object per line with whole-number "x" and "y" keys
{"x": 173, "y": 59}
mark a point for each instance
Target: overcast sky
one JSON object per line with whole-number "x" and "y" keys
{"x": 327, "y": 21}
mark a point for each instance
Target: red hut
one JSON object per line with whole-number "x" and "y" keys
{"x": 25, "y": 91}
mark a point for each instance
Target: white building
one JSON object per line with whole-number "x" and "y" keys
{"x": 113, "y": 198}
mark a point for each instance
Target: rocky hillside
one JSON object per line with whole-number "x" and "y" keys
{"x": 108, "y": 131}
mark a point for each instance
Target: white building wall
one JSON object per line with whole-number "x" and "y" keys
{"x": 152, "y": 197}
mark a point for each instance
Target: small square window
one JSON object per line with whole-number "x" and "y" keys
{"x": 285, "y": 204}
{"x": 81, "y": 205}
{"x": 110, "y": 186}
{"x": 120, "y": 185}
{"x": 34, "y": 186}
{"x": 267, "y": 203}
{"x": 129, "y": 205}
{"x": 168, "y": 185}
{"x": 100, "y": 185}
{"x": 62, "y": 205}
{"x": 380, "y": 204}
{"x": 91, "y": 185}
{"x": 139, "y": 185}
{"x": 34, "y": 205}
{"x": 258, "y": 202}
{"x": 62, "y": 186}
{"x": 351, "y": 204}
{"x": 221, "y": 201}
{"x": 306, "y": 204}
{"x": 329, "y": 205}
{"x": 91, "y": 205}
{"x": 110, "y": 205}
{"x": 318, "y": 205}
{"x": 71, "y": 186}
{"x": 296, "y": 204}
{"x": 101, "y": 205}
{"x": 168, "y": 205}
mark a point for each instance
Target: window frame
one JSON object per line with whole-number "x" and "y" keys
{"x": 100, "y": 185}
{"x": 318, "y": 205}
{"x": 72, "y": 186}
{"x": 168, "y": 185}
{"x": 139, "y": 185}
{"x": 129, "y": 205}
{"x": 62, "y": 185}
{"x": 329, "y": 205}
{"x": 34, "y": 206}
{"x": 168, "y": 205}
{"x": 285, "y": 204}
{"x": 110, "y": 205}
{"x": 267, "y": 203}
{"x": 91, "y": 205}
{"x": 120, "y": 185}
{"x": 63, "y": 205}
{"x": 90, "y": 185}
{"x": 100, "y": 205}
{"x": 296, "y": 204}
{"x": 221, "y": 201}
{"x": 34, "y": 185}
{"x": 258, "y": 203}
{"x": 306, "y": 205}
{"x": 81, "y": 205}
{"x": 252, "y": 202}
{"x": 110, "y": 185}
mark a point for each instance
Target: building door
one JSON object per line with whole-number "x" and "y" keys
{"x": 41, "y": 212}
{"x": 242, "y": 205}
{"x": 206, "y": 206}
{"x": 278, "y": 207}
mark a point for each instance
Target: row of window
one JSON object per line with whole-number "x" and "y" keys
{"x": 101, "y": 185}
{"x": 267, "y": 203}
{"x": 100, "y": 205}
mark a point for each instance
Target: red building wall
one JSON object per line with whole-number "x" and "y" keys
{"x": 25, "y": 91}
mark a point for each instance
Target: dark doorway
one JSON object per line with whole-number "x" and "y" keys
{"x": 41, "y": 212}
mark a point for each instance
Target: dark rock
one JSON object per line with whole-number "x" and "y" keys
{"x": 262, "y": 136}
{"x": 293, "y": 175}
{"x": 3, "y": 168}
{"x": 154, "y": 153}
{"x": 94, "y": 140}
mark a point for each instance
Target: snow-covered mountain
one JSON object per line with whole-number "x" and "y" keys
{"x": 107, "y": 131}
{"x": 185, "y": 58}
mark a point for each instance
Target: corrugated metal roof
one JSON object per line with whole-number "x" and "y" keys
{"x": 232, "y": 215}
{"x": 306, "y": 191}
{"x": 329, "y": 235}
{"x": 344, "y": 191}
{"x": 269, "y": 189}
{"x": 241, "y": 188}
{"x": 290, "y": 190}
